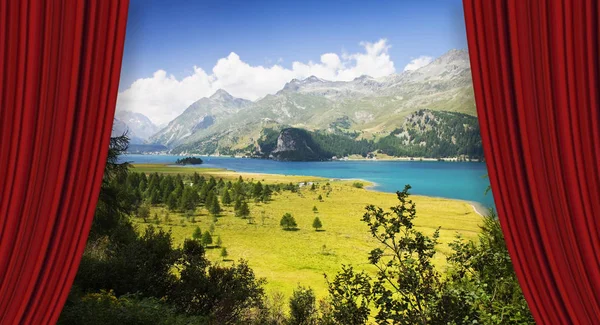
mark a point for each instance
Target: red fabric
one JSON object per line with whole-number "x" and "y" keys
{"x": 59, "y": 71}
{"x": 536, "y": 76}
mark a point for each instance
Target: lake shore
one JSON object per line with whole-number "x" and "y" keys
{"x": 224, "y": 173}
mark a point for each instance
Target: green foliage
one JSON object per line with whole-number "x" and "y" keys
{"x": 320, "y": 198}
{"x": 214, "y": 208}
{"x": 350, "y": 296}
{"x": 219, "y": 242}
{"x": 288, "y": 222}
{"x": 317, "y": 223}
{"x": 226, "y": 198}
{"x": 128, "y": 263}
{"x": 315, "y": 210}
{"x": 480, "y": 286}
{"x": 425, "y": 133}
{"x": 206, "y": 238}
{"x": 358, "y": 184}
{"x": 104, "y": 308}
{"x": 243, "y": 211}
{"x": 127, "y": 277}
{"x": 197, "y": 233}
{"x": 257, "y": 190}
{"x": 444, "y": 134}
{"x": 484, "y": 270}
{"x": 404, "y": 264}
{"x": 223, "y": 294}
{"x": 189, "y": 199}
{"x": 303, "y": 308}
{"x": 224, "y": 253}
{"x": 143, "y": 212}
{"x": 189, "y": 161}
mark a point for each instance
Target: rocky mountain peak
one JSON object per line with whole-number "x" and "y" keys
{"x": 221, "y": 95}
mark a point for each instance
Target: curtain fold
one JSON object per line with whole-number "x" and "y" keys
{"x": 535, "y": 67}
{"x": 60, "y": 65}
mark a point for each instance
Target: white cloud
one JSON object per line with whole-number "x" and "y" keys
{"x": 163, "y": 97}
{"x": 417, "y": 63}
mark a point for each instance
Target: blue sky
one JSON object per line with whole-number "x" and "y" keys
{"x": 176, "y": 36}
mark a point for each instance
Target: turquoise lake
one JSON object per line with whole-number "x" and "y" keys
{"x": 454, "y": 180}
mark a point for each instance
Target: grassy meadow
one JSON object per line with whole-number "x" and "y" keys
{"x": 291, "y": 258}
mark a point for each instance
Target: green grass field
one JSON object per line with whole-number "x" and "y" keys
{"x": 290, "y": 258}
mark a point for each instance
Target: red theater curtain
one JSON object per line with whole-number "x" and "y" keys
{"x": 59, "y": 71}
{"x": 536, "y": 76}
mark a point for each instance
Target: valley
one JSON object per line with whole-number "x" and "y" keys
{"x": 302, "y": 257}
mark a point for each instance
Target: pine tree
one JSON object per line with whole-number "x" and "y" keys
{"x": 317, "y": 224}
{"x": 224, "y": 253}
{"x": 197, "y": 233}
{"x": 206, "y": 238}
{"x": 315, "y": 210}
{"x": 219, "y": 241}
{"x": 243, "y": 211}
{"x": 189, "y": 199}
{"x": 212, "y": 228}
{"x": 257, "y": 191}
{"x": 237, "y": 206}
{"x": 320, "y": 198}
{"x": 226, "y": 199}
{"x": 266, "y": 194}
{"x": 214, "y": 208}
{"x": 288, "y": 222}
{"x": 172, "y": 202}
{"x": 144, "y": 212}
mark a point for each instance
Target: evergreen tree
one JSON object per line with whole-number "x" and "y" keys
{"x": 288, "y": 222}
{"x": 224, "y": 253}
{"x": 237, "y": 206}
{"x": 320, "y": 198}
{"x": 214, "y": 207}
{"x": 143, "y": 212}
{"x": 266, "y": 194}
{"x": 189, "y": 199}
{"x": 257, "y": 191}
{"x": 243, "y": 211}
{"x": 212, "y": 228}
{"x": 219, "y": 241}
{"x": 226, "y": 199}
{"x": 143, "y": 183}
{"x": 315, "y": 210}
{"x": 197, "y": 233}
{"x": 206, "y": 238}
{"x": 317, "y": 224}
{"x": 172, "y": 202}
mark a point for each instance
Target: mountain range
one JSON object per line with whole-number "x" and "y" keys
{"x": 137, "y": 126}
{"x": 365, "y": 108}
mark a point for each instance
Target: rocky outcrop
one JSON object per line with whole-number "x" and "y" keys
{"x": 297, "y": 145}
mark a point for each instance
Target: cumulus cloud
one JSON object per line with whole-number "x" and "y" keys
{"x": 417, "y": 63}
{"x": 162, "y": 97}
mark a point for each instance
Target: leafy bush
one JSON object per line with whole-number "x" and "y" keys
{"x": 303, "y": 307}
{"x": 358, "y": 184}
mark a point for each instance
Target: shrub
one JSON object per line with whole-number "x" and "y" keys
{"x": 302, "y": 307}
{"x": 358, "y": 184}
